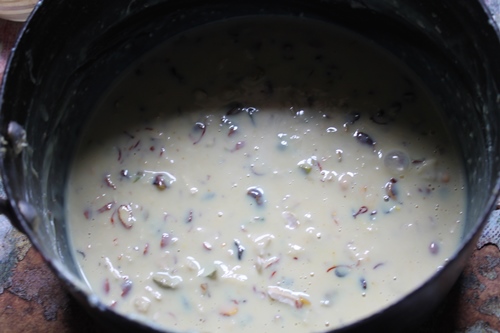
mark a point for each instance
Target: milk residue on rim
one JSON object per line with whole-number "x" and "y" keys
{"x": 264, "y": 174}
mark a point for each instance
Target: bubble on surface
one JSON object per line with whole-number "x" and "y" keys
{"x": 397, "y": 161}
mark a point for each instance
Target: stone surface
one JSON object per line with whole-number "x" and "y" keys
{"x": 37, "y": 302}
{"x": 13, "y": 248}
{"x": 491, "y": 232}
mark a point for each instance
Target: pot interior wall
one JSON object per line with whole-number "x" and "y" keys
{"x": 52, "y": 85}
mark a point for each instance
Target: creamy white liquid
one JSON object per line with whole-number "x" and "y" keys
{"x": 242, "y": 177}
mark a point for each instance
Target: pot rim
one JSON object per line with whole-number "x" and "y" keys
{"x": 21, "y": 219}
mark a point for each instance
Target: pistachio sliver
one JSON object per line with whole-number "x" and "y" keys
{"x": 211, "y": 273}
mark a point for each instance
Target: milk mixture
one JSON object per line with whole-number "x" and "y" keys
{"x": 261, "y": 176}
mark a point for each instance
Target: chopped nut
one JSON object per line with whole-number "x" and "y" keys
{"x": 192, "y": 264}
{"x": 165, "y": 280}
{"x": 262, "y": 242}
{"x": 287, "y": 296}
{"x": 142, "y": 304}
{"x": 204, "y": 289}
{"x": 126, "y": 216}
{"x": 292, "y": 221}
{"x": 229, "y": 311}
{"x": 305, "y": 165}
{"x": 265, "y": 263}
{"x": 256, "y": 193}
{"x": 159, "y": 182}
{"x": 390, "y": 189}
{"x": 156, "y": 295}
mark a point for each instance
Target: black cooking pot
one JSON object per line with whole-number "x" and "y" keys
{"x": 71, "y": 51}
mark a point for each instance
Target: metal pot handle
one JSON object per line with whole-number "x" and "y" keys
{"x": 14, "y": 142}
